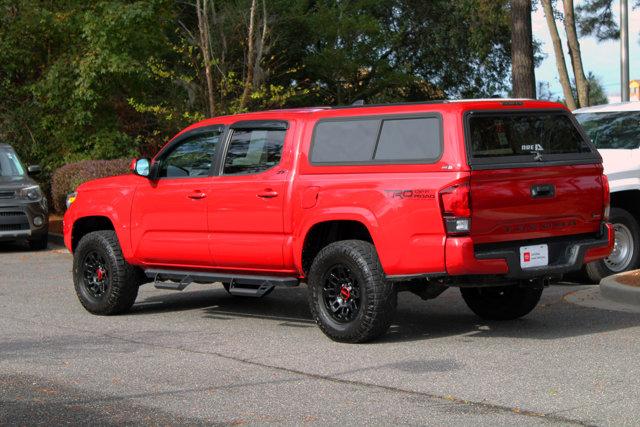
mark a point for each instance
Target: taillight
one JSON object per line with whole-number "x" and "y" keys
{"x": 456, "y": 209}
{"x": 606, "y": 197}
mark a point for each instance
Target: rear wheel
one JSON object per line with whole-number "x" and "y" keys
{"x": 626, "y": 252}
{"x": 501, "y": 302}
{"x": 105, "y": 283}
{"x": 349, "y": 297}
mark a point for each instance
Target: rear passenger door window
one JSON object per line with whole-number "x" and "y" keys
{"x": 253, "y": 151}
{"x": 377, "y": 140}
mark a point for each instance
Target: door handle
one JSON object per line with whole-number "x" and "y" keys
{"x": 268, "y": 194}
{"x": 197, "y": 195}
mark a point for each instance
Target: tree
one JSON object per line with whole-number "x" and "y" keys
{"x": 575, "y": 53}
{"x": 523, "y": 75}
{"x": 563, "y": 74}
{"x": 597, "y": 94}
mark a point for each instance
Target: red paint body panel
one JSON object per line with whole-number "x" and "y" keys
{"x": 234, "y": 229}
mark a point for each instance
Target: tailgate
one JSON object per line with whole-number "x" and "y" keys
{"x": 534, "y": 175}
{"x": 532, "y": 203}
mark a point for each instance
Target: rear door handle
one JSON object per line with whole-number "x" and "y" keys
{"x": 545, "y": 190}
{"x": 268, "y": 194}
{"x": 197, "y": 195}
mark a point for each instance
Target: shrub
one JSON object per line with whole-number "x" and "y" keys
{"x": 67, "y": 178}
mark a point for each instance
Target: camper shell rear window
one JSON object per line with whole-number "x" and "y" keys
{"x": 526, "y": 137}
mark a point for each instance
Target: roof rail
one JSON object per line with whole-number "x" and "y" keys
{"x": 390, "y": 104}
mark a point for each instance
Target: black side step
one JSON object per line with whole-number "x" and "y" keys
{"x": 255, "y": 285}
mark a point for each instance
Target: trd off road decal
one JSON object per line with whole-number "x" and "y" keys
{"x": 411, "y": 194}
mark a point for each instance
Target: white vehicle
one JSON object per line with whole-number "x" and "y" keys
{"x": 615, "y": 130}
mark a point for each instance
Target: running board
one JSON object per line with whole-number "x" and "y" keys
{"x": 256, "y": 285}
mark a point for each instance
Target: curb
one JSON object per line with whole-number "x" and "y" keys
{"x": 56, "y": 239}
{"x": 612, "y": 290}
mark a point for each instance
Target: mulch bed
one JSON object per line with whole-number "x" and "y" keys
{"x": 632, "y": 278}
{"x": 55, "y": 224}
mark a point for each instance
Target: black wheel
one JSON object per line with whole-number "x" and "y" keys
{"x": 626, "y": 252}
{"x": 501, "y": 302}
{"x": 349, "y": 297}
{"x": 105, "y": 283}
{"x": 40, "y": 243}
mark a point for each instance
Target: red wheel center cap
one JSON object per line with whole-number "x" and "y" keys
{"x": 345, "y": 293}
{"x": 100, "y": 274}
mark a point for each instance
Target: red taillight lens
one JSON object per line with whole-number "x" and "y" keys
{"x": 606, "y": 194}
{"x": 456, "y": 208}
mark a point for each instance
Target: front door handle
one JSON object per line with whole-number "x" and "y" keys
{"x": 197, "y": 195}
{"x": 268, "y": 194}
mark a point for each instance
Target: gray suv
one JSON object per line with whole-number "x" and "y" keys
{"x": 24, "y": 214}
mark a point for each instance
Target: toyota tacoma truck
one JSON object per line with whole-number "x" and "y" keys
{"x": 615, "y": 131}
{"x": 495, "y": 197}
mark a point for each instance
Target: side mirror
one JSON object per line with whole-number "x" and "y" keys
{"x": 141, "y": 167}
{"x": 34, "y": 170}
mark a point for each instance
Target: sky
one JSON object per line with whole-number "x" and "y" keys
{"x": 603, "y": 59}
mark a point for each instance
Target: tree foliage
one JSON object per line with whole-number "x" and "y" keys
{"x": 115, "y": 78}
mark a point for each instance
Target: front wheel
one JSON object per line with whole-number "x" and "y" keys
{"x": 104, "y": 281}
{"x": 350, "y": 299}
{"x": 501, "y": 302}
{"x": 626, "y": 251}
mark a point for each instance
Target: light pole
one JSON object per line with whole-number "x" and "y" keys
{"x": 624, "y": 50}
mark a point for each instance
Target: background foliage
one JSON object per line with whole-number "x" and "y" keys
{"x": 115, "y": 78}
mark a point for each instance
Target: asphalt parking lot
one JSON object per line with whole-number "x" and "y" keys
{"x": 203, "y": 357}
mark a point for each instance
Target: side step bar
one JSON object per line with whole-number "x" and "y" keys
{"x": 244, "y": 285}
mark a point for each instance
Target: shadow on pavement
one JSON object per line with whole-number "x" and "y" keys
{"x": 415, "y": 319}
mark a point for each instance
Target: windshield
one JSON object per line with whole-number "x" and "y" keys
{"x": 9, "y": 163}
{"x": 613, "y": 129}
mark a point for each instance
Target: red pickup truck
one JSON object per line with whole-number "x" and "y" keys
{"x": 496, "y": 197}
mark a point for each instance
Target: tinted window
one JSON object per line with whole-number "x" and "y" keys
{"x": 377, "y": 140}
{"x": 347, "y": 141}
{"x": 409, "y": 139}
{"x": 9, "y": 163}
{"x": 612, "y": 130}
{"x": 507, "y": 135}
{"x": 253, "y": 151}
{"x": 192, "y": 157}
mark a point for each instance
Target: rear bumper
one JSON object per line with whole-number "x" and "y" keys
{"x": 566, "y": 254}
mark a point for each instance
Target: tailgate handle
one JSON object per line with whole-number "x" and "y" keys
{"x": 544, "y": 190}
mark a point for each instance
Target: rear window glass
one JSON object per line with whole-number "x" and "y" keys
{"x": 612, "y": 129}
{"x": 377, "y": 140}
{"x": 529, "y": 134}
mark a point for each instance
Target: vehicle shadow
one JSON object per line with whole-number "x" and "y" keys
{"x": 415, "y": 319}
{"x": 17, "y": 247}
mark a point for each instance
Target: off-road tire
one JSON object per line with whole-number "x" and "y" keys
{"x": 501, "y": 302}
{"x": 123, "y": 279}
{"x": 40, "y": 243}
{"x": 378, "y": 297}
{"x": 598, "y": 270}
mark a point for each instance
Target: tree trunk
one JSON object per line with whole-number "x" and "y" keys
{"x": 559, "y": 53}
{"x": 205, "y": 48}
{"x": 522, "y": 69}
{"x": 248, "y": 81}
{"x": 582, "y": 85}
